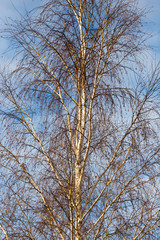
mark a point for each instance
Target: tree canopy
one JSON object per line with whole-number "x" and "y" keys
{"x": 79, "y": 145}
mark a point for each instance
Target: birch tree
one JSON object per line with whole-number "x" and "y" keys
{"x": 79, "y": 125}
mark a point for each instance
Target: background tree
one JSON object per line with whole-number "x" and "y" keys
{"x": 79, "y": 138}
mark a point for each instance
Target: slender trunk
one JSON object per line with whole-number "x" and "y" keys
{"x": 80, "y": 133}
{"x": 78, "y": 224}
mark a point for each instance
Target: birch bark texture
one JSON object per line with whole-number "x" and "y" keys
{"x": 80, "y": 119}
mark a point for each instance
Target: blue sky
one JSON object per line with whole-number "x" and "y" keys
{"x": 10, "y": 8}
{"x": 153, "y": 25}
{"x": 13, "y": 9}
